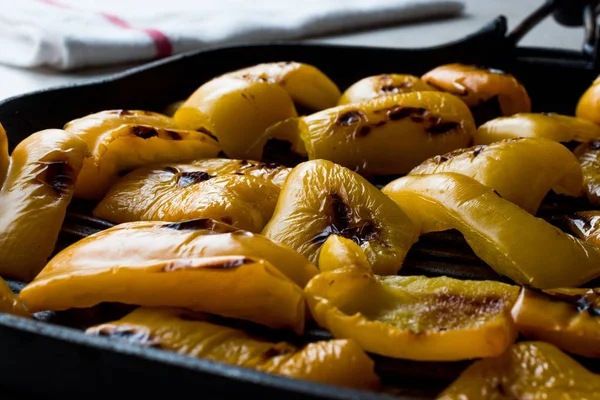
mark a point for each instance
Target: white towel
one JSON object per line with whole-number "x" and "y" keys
{"x": 68, "y": 34}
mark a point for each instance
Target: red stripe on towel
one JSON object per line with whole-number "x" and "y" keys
{"x": 164, "y": 47}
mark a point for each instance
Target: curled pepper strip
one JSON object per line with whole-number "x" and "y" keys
{"x": 413, "y": 317}
{"x": 38, "y": 187}
{"x": 511, "y": 241}
{"x": 490, "y": 93}
{"x": 560, "y": 128}
{"x": 567, "y": 318}
{"x": 9, "y": 303}
{"x": 122, "y": 140}
{"x": 376, "y": 86}
{"x": 239, "y": 193}
{"x": 337, "y": 362}
{"x": 308, "y": 86}
{"x": 320, "y": 198}
{"x": 521, "y": 170}
{"x": 528, "y": 370}
{"x": 383, "y": 136}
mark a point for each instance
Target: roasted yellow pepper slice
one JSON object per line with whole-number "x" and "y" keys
{"x": 585, "y": 225}
{"x": 320, "y": 198}
{"x": 9, "y": 303}
{"x": 589, "y": 159}
{"x": 239, "y": 109}
{"x": 414, "y": 317}
{"x": 38, "y": 188}
{"x": 510, "y": 240}
{"x": 569, "y": 318}
{"x": 589, "y": 102}
{"x": 384, "y": 136}
{"x": 528, "y": 370}
{"x": 560, "y": 128}
{"x": 382, "y": 85}
{"x": 244, "y": 197}
{"x": 308, "y": 86}
{"x": 198, "y": 264}
{"x": 338, "y": 252}
{"x": 337, "y": 362}
{"x": 122, "y": 140}
{"x": 521, "y": 170}
{"x": 490, "y": 93}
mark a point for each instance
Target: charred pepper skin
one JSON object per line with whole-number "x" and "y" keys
{"x": 511, "y": 241}
{"x": 585, "y": 225}
{"x": 567, "y": 318}
{"x": 198, "y": 264}
{"x": 528, "y": 370}
{"x": 39, "y": 185}
{"x": 336, "y": 362}
{"x": 412, "y": 317}
{"x": 376, "y": 86}
{"x": 320, "y": 198}
{"x": 238, "y": 192}
{"x": 383, "y": 136}
{"x": 560, "y": 128}
{"x": 521, "y": 170}
{"x": 490, "y": 93}
{"x": 122, "y": 140}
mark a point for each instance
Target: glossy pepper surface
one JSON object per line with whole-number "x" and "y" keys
{"x": 122, "y": 140}
{"x": 585, "y": 225}
{"x": 198, "y": 264}
{"x": 589, "y": 159}
{"x": 560, "y": 128}
{"x": 490, "y": 93}
{"x": 521, "y": 170}
{"x": 338, "y": 252}
{"x": 383, "y": 136}
{"x": 383, "y": 85}
{"x": 9, "y": 303}
{"x": 320, "y": 198}
{"x": 38, "y": 187}
{"x": 4, "y": 157}
{"x": 239, "y": 109}
{"x": 567, "y": 318}
{"x": 528, "y": 370}
{"x": 510, "y": 240}
{"x": 589, "y": 103}
{"x": 414, "y": 317}
{"x": 244, "y": 197}
{"x": 337, "y": 362}
{"x": 308, "y": 86}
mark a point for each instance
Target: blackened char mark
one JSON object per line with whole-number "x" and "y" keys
{"x": 133, "y": 335}
{"x": 352, "y": 117}
{"x": 59, "y": 176}
{"x": 173, "y": 135}
{"x": 186, "y": 179}
{"x": 442, "y": 128}
{"x": 144, "y": 132}
{"x": 207, "y": 133}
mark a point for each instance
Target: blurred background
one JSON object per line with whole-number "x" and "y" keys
{"x": 45, "y": 43}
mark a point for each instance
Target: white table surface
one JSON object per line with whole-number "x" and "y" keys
{"x": 14, "y": 81}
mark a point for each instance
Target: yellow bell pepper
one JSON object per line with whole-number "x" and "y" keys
{"x": 337, "y": 362}
{"x": 414, "y": 317}
{"x": 9, "y": 303}
{"x": 122, "y": 140}
{"x": 585, "y": 225}
{"x": 569, "y": 319}
{"x": 490, "y": 93}
{"x": 38, "y": 187}
{"x": 307, "y": 85}
{"x": 589, "y": 159}
{"x": 239, "y": 110}
{"x": 528, "y": 370}
{"x": 510, "y": 240}
{"x": 383, "y": 136}
{"x": 382, "y": 85}
{"x": 521, "y": 170}
{"x": 338, "y": 252}
{"x": 239, "y": 193}
{"x": 199, "y": 264}
{"x": 4, "y": 157}
{"x": 560, "y": 128}
{"x": 587, "y": 106}
{"x": 320, "y": 198}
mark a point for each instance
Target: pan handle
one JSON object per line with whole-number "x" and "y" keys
{"x": 567, "y": 13}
